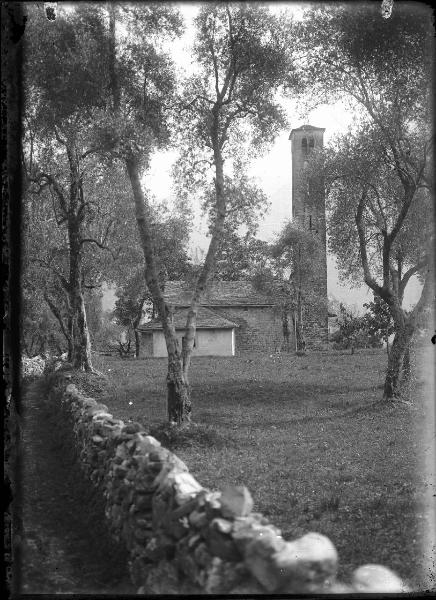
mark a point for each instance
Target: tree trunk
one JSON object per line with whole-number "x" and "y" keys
{"x": 81, "y": 342}
{"x": 396, "y": 357}
{"x": 209, "y": 262}
{"x": 137, "y": 344}
{"x": 136, "y": 324}
{"x": 66, "y": 330}
{"x": 70, "y": 340}
{"x": 81, "y": 351}
{"x": 299, "y": 327}
{"x": 406, "y": 364}
{"x": 178, "y": 393}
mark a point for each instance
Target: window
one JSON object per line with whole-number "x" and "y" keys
{"x": 307, "y": 147}
{"x": 310, "y": 222}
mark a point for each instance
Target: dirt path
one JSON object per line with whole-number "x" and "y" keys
{"x": 65, "y": 547}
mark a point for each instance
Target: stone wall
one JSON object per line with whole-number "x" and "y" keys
{"x": 181, "y": 537}
{"x": 260, "y": 327}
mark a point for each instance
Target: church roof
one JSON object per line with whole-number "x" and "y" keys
{"x": 220, "y": 293}
{"x": 206, "y": 319}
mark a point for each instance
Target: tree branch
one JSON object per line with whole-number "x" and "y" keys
{"x": 409, "y": 273}
{"x": 58, "y": 137}
{"x": 58, "y": 316}
{"x": 369, "y": 279}
{"x": 99, "y": 244}
{"x": 64, "y": 282}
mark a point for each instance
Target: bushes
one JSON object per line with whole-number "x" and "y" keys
{"x": 361, "y": 339}
{"x": 354, "y": 332}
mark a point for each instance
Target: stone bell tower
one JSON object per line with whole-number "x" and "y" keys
{"x": 308, "y": 212}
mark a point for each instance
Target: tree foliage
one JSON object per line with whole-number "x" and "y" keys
{"x": 378, "y": 319}
{"x": 300, "y": 255}
{"x": 354, "y": 331}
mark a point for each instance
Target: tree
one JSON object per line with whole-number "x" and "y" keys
{"x": 239, "y": 256}
{"x": 378, "y": 320}
{"x": 239, "y": 253}
{"x": 379, "y": 175}
{"x": 350, "y": 329}
{"x": 271, "y": 281}
{"x": 109, "y": 337}
{"x": 243, "y": 57}
{"x": 63, "y": 87}
{"x": 129, "y": 306}
{"x": 300, "y": 251}
{"x": 94, "y": 311}
{"x": 39, "y": 333}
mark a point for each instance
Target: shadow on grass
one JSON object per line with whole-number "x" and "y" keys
{"x": 281, "y": 403}
{"x": 196, "y": 435}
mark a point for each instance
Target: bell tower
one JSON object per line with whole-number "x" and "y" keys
{"x": 308, "y": 213}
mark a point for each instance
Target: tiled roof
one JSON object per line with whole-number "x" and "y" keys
{"x": 221, "y": 293}
{"x": 206, "y": 319}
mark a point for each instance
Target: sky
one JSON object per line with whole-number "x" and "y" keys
{"x": 272, "y": 171}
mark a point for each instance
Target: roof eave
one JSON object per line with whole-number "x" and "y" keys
{"x": 145, "y": 329}
{"x": 230, "y": 305}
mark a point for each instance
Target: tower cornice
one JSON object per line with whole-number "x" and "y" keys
{"x": 306, "y": 128}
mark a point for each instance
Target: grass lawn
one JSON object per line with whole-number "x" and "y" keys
{"x": 309, "y": 439}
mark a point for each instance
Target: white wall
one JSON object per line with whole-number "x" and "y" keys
{"x": 209, "y": 342}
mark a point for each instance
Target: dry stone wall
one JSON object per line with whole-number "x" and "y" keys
{"x": 181, "y": 537}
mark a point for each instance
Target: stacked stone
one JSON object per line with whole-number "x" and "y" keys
{"x": 183, "y": 538}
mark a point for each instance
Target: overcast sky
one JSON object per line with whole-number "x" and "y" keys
{"x": 273, "y": 171}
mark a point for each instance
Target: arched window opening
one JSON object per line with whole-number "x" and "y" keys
{"x": 310, "y": 222}
{"x": 311, "y": 143}
{"x": 304, "y": 145}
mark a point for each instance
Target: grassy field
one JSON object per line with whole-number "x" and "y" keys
{"x": 308, "y": 437}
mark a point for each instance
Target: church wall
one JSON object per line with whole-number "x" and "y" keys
{"x": 208, "y": 342}
{"x": 260, "y": 328}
